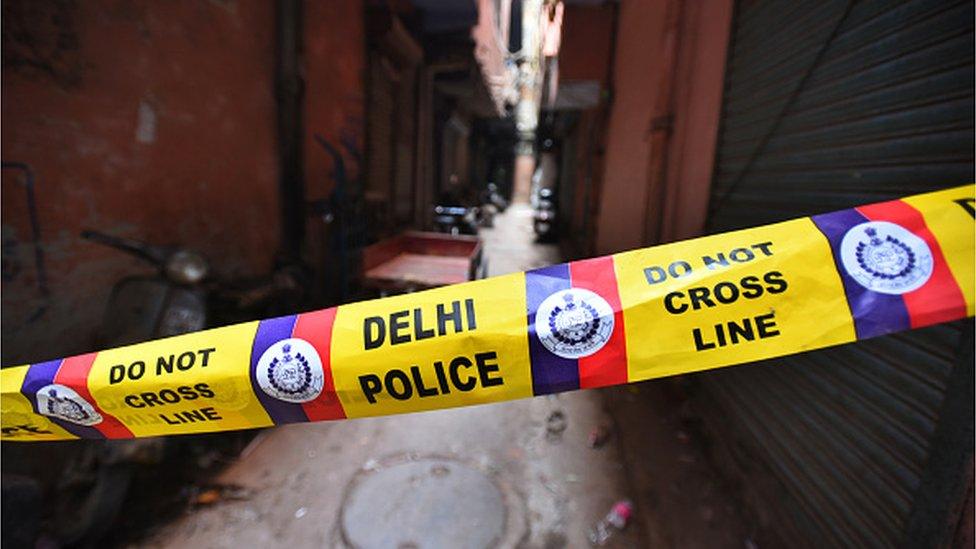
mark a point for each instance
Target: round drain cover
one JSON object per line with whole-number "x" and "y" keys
{"x": 424, "y": 504}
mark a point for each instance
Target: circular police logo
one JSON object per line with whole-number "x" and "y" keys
{"x": 61, "y": 402}
{"x": 886, "y": 257}
{"x": 291, "y": 370}
{"x": 574, "y": 323}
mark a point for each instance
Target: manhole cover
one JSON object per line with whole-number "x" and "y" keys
{"x": 424, "y": 504}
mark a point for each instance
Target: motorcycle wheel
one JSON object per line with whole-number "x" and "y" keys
{"x": 87, "y": 509}
{"x": 21, "y": 516}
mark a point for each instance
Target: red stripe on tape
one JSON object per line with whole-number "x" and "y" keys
{"x": 316, "y": 328}
{"x": 608, "y": 366}
{"x": 938, "y": 300}
{"x": 74, "y": 373}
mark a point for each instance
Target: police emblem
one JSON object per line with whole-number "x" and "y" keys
{"x": 886, "y": 258}
{"x": 62, "y": 402}
{"x": 574, "y": 323}
{"x": 291, "y": 370}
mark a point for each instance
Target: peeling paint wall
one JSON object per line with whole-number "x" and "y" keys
{"x": 637, "y": 76}
{"x": 154, "y": 121}
{"x": 490, "y": 36}
{"x": 587, "y": 43}
{"x": 640, "y": 76}
{"x": 585, "y": 58}
{"x": 335, "y": 65}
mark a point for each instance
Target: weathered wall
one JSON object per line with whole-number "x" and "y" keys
{"x": 585, "y": 57}
{"x": 335, "y": 61}
{"x": 335, "y": 65}
{"x": 697, "y": 107}
{"x": 491, "y": 43}
{"x": 640, "y": 76}
{"x": 154, "y": 121}
{"x": 637, "y": 74}
{"x": 587, "y": 43}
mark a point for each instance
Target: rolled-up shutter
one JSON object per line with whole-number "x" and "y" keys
{"x": 828, "y": 105}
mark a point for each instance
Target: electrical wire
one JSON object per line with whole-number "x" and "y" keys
{"x": 721, "y": 200}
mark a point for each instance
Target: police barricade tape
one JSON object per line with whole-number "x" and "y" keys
{"x": 695, "y": 305}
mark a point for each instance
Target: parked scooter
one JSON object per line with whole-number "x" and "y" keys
{"x": 544, "y": 217}
{"x": 492, "y": 204}
{"x": 456, "y": 220}
{"x": 180, "y": 297}
{"x": 96, "y": 478}
{"x": 172, "y": 301}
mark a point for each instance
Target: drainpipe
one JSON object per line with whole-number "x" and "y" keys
{"x": 289, "y": 88}
{"x": 527, "y": 108}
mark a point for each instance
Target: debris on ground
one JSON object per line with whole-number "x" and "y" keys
{"x": 599, "y": 435}
{"x": 707, "y": 513}
{"x": 616, "y": 520}
{"x": 209, "y": 495}
{"x": 555, "y": 425}
{"x": 683, "y": 437}
{"x": 253, "y": 445}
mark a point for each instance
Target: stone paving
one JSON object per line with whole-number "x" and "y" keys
{"x": 521, "y": 473}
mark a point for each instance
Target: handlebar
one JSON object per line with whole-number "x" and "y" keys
{"x": 152, "y": 254}
{"x": 451, "y": 210}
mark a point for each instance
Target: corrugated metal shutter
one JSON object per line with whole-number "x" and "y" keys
{"x": 831, "y": 104}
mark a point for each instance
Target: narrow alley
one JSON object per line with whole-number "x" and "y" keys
{"x": 536, "y": 473}
{"x": 609, "y": 273}
{"x": 349, "y": 483}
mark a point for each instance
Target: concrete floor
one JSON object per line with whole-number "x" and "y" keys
{"x": 555, "y": 486}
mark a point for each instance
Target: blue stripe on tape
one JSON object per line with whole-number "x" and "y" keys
{"x": 550, "y": 373}
{"x": 874, "y": 313}
{"x": 270, "y": 332}
{"x": 41, "y": 375}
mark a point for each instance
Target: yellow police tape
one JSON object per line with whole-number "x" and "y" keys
{"x": 695, "y": 305}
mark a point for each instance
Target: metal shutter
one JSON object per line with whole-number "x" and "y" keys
{"x": 828, "y": 105}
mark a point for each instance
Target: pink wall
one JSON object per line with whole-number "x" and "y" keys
{"x": 335, "y": 58}
{"x": 638, "y": 80}
{"x": 637, "y": 74}
{"x": 489, "y": 52}
{"x": 698, "y": 105}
